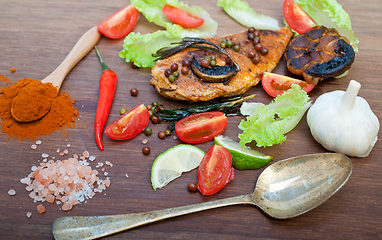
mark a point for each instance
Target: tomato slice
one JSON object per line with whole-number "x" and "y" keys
{"x": 296, "y": 17}
{"x": 215, "y": 170}
{"x": 129, "y": 124}
{"x": 182, "y": 17}
{"x": 275, "y": 84}
{"x": 120, "y": 23}
{"x": 201, "y": 127}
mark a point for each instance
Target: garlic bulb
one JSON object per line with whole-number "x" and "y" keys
{"x": 343, "y": 122}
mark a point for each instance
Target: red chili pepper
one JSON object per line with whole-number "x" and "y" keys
{"x": 107, "y": 85}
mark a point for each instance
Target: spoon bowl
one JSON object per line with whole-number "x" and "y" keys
{"x": 285, "y": 189}
{"x": 87, "y": 41}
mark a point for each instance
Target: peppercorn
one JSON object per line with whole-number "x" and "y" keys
{"x": 154, "y": 119}
{"x": 256, "y": 40}
{"x": 251, "y": 54}
{"x": 258, "y": 47}
{"x": 148, "y": 131}
{"x": 256, "y": 59}
{"x": 161, "y": 135}
{"x": 134, "y": 66}
{"x": 213, "y": 63}
{"x": 184, "y": 70}
{"x": 146, "y": 150}
{"x": 167, "y": 132}
{"x": 176, "y": 74}
{"x": 151, "y": 113}
{"x": 205, "y": 63}
{"x": 167, "y": 73}
{"x": 149, "y": 106}
{"x": 186, "y": 63}
{"x": 251, "y": 29}
{"x": 134, "y": 92}
{"x": 228, "y": 61}
{"x": 264, "y": 51}
{"x": 155, "y": 103}
{"x": 251, "y": 36}
{"x": 172, "y": 78}
{"x": 229, "y": 43}
{"x": 174, "y": 67}
{"x": 236, "y": 48}
{"x": 123, "y": 111}
{"x": 192, "y": 187}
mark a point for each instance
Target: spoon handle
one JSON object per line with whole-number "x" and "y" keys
{"x": 82, "y": 227}
{"x": 80, "y": 49}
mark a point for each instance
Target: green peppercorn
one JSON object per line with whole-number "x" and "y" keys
{"x": 172, "y": 78}
{"x": 213, "y": 63}
{"x": 148, "y": 131}
{"x": 176, "y": 74}
{"x": 223, "y": 45}
{"x": 154, "y": 104}
{"x": 213, "y": 58}
{"x": 151, "y": 113}
{"x": 167, "y": 132}
{"x": 229, "y": 43}
{"x": 123, "y": 111}
{"x": 208, "y": 58}
{"x": 236, "y": 48}
{"x": 223, "y": 40}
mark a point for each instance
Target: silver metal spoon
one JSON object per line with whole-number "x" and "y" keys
{"x": 285, "y": 189}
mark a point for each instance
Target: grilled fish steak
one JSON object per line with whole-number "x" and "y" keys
{"x": 189, "y": 87}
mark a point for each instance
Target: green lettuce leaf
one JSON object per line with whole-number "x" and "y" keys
{"x": 246, "y": 16}
{"x": 139, "y": 48}
{"x": 152, "y": 10}
{"x": 267, "y": 124}
{"x": 329, "y": 13}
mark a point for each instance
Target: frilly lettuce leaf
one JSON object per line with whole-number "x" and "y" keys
{"x": 329, "y": 13}
{"x": 152, "y": 10}
{"x": 139, "y": 48}
{"x": 246, "y": 16}
{"x": 267, "y": 124}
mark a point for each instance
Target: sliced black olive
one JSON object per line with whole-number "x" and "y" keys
{"x": 216, "y": 74}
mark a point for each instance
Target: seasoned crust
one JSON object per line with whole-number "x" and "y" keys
{"x": 192, "y": 89}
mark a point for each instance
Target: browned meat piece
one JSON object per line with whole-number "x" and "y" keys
{"x": 318, "y": 54}
{"x": 189, "y": 87}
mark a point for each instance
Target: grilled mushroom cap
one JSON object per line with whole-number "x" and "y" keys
{"x": 318, "y": 54}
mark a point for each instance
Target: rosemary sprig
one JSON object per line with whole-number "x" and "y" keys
{"x": 177, "y": 114}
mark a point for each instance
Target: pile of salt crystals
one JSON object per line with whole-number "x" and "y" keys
{"x": 70, "y": 181}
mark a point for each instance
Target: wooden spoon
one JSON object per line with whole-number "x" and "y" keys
{"x": 285, "y": 189}
{"x": 80, "y": 49}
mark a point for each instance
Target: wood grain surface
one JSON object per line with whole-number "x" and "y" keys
{"x": 35, "y": 36}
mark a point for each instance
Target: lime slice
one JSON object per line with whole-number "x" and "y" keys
{"x": 171, "y": 163}
{"x": 243, "y": 157}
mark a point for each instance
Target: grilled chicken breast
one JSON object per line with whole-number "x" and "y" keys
{"x": 189, "y": 87}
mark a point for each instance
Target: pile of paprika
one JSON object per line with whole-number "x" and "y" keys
{"x": 62, "y": 113}
{"x": 107, "y": 86}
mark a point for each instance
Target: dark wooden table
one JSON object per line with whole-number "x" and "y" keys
{"x": 35, "y": 36}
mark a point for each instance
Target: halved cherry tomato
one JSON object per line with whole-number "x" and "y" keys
{"x": 129, "y": 124}
{"x": 181, "y": 17}
{"x": 275, "y": 84}
{"x": 201, "y": 127}
{"x": 296, "y": 17}
{"x": 215, "y": 170}
{"x": 120, "y": 23}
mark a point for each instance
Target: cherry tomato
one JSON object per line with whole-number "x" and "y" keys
{"x": 275, "y": 84}
{"x": 296, "y": 17}
{"x": 120, "y": 23}
{"x": 215, "y": 170}
{"x": 181, "y": 17}
{"x": 201, "y": 127}
{"x": 129, "y": 124}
